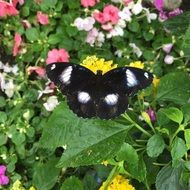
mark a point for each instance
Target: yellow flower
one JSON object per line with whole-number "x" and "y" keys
{"x": 155, "y": 82}
{"x": 94, "y": 64}
{"x": 32, "y": 188}
{"x": 17, "y": 185}
{"x": 137, "y": 64}
{"x": 118, "y": 183}
{"x": 105, "y": 162}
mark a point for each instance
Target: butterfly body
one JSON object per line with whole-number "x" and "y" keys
{"x": 96, "y": 95}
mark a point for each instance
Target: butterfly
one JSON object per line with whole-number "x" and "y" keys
{"x": 96, "y": 95}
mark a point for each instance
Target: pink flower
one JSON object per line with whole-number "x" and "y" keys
{"x": 107, "y": 26}
{"x": 175, "y": 12}
{"x": 15, "y": 2}
{"x": 88, "y": 3}
{"x": 7, "y": 9}
{"x": 17, "y": 45}
{"x": 99, "y": 16}
{"x": 159, "y": 4}
{"x": 26, "y": 23}
{"x": 84, "y": 24}
{"x": 38, "y": 70}
{"x": 56, "y": 55}
{"x": 42, "y": 18}
{"x": 167, "y": 47}
{"x": 4, "y": 180}
{"x": 111, "y": 14}
{"x": 169, "y": 59}
{"x": 151, "y": 114}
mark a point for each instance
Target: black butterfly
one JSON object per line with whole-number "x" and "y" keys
{"x": 96, "y": 95}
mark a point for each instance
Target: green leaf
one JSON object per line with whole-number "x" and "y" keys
{"x": 173, "y": 114}
{"x": 54, "y": 39}
{"x": 72, "y": 183}
{"x": 133, "y": 163}
{"x": 149, "y": 55}
{"x": 2, "y": 101}
{"x": 179, "y": 24}
{"x": 89, "y": 182}
{"x": 3, "y": 139}
{"x": 186, "y": 110}
{"x": 187, "y": 137}
{"x": 45, "y": 175}
{"x": 173, "y": 88}
{"x": 32, "y": 34}
{"x": 73, "y": 4}
{"x": 186, "y": 43}
{"x": 178, "y": 150}
{"x": 86, "y": 141}
{"x": 169, "y": 179}
{"x": 155, "y": 145}
{"x": 134, "y": 26}
{"x": 3, "y": 117}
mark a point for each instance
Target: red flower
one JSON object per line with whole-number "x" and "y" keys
{"x": 7, "y": 9}
{"x": 18, "y": 41}
{"x": 42, "y": 18}
{"x": 111, "y": 13}
{"x": 56, "y": 55}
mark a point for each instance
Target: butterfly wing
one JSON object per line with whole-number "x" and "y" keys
{"x": 117, "y": 85}
{"x": 69, "y": 77}
{"x": 76, "y": 82}
{"x": 128, "y": 80}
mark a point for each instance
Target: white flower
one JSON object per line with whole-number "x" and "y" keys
{"x": 136, "y": 49}
{"x": 121, "y": 23}
{"x": 9, "y": 88}
{"x": 7, "y": 68}
{"x": 137, "y": 8}
{"x": 117, "y": 1}
{"x": 125, "y": 14}
{"x": 15, "y": 70}
{"x": 47, "y": 90}
{"x": 84, "y": 24}
{"x": 116, "y": 31}
{"x": 119, "y": 53}
{"x": 150, "y": 16}
{"x": 169, "y": 59}
{"x": 2, "y": 81}
{"x": 95, "y": 37}
{"x": 51, "y": 103}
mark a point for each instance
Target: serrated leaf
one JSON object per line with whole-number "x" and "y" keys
{"x": 45, "y": 175}
{"x": 173, "y": 88}
{"x": 3, "y": 117}
{"x": 178, "y": 150}
{"x": 3, "y": 139}
{"x": 86, "y": 141}
{"x": 169, "y": 179}
{"x": 72, "y": 183}
{"x": 174, "y": 114}
{"x": 54, "y": 38}
{"x": 187, "y": 137}
{"x": 155, "y": 145}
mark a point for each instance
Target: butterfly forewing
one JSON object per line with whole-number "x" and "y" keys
{"x": 128, "y": 80}
{"x": 104, "y": 96}
{"x": 69, "y": 77}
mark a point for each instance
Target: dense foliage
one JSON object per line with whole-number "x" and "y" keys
{"x": 43, "y": 145}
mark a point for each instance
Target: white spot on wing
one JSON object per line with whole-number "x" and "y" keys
{"x": 66, "y": 75}
{"x": 83, "y": 97}
{"x": 146, "y": 75}
{"x": 53, "y": 67}
{"x": 111, "y": 99}
{"x": 131, "y": 79}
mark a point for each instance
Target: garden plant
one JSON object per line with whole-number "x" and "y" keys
{"x": 44, "y": 145}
